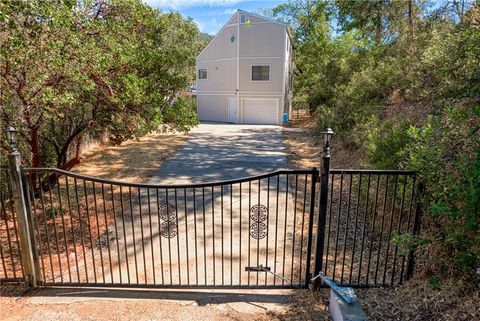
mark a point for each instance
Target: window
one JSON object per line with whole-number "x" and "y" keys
{"x": 260, "y": 73}
{"x": 202, "y": 73}
{"x": 244, "y": 19}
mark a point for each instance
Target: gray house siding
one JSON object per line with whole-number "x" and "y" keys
{"x": 235, "y": 49}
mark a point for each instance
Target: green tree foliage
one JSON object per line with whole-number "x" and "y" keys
{"x": 71, "y": 69}
{"x": 401, "y": 79}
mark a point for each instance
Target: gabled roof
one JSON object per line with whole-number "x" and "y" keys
{"x": 259, "y": 17}
{"x": 240, "y": 11}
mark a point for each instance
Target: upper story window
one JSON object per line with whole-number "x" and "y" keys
{"x": 202, "y": 73}
{"x": 260, "y": 73}
{"x": 244, "y": 19}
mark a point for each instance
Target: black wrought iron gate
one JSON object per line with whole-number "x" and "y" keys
{"x": 272, "y": 230}
{"x": 91, "y": 231}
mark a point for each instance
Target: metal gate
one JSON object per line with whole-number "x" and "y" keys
{"x": 92, "y": 231}
{"x": 279, "y": 229}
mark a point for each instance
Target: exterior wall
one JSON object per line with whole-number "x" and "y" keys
{"x": 259, "y": 42}
{"x": 221, "y": 47}
{"x": 221, "y": 76}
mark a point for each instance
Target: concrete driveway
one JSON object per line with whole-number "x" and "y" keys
{"x": 218, "y": 151}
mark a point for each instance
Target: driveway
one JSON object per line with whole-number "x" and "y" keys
{"x": 218, "y": 151}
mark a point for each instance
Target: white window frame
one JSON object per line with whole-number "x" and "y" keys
{"x": 261, "y": 65}
{"x": 198, "y": 73}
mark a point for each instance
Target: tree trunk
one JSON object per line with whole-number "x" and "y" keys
{"x": 34, "y": 148}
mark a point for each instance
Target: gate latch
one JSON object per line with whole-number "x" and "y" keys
{"x": 259, "y": 268}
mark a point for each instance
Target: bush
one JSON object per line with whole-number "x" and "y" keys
{"x": 446, "y": 152}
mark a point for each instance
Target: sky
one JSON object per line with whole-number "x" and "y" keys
{"x": 211, "y": 15}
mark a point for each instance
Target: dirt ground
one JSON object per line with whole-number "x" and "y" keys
{"x": 122, "y": 162}
{"x": 128, "y": 304}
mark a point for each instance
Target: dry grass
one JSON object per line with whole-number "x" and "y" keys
{"x": 134, "y": 160}
{"x": 414, "y": 300}
{"x": 304, "y": 143}
{"x": 304, "y": 305}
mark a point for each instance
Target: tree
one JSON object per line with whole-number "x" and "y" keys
{"x": 70, "y": 69}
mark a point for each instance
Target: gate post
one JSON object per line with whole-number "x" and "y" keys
{"x": 22, "y": 211}
{"x": 322, "y": 215}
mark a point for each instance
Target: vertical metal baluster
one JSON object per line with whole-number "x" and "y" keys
{"x": 221, "y": 217}
{"x": 124, "y": 235}
{"x": 373, "y": 229}
{"x": 151, "y": 235}
{"x": 231, "y": 235}
{"x": 107, "y": 231}
{"x": 302, "y": 228}
{"x": 72, "y": 229}
{"x": 381, "y": 229}
{"x": 249, "y": 225}
{"x": 400, "y": 215}
{"x": 337, "y": 233}
{"x": 240, "y": 241}
{"x": 119, "y": 262}
{"x": 98, "y": 230}
{"x": 143, "y": 238}
{"x": 390, "y": 228}
{"x": 134, "y": 241}
{"x": 294, "y": 226}
{"x": 355, "y": 228}
{"x": 329, "y": 224}
{"x": 63, "y": 229}
{"x": 347, "y": 221}
{"x": 15, "y": 233}
{"x": 311, "y": 216}
{"x": 160, "y": 249}
{"x": 178, "y": 241}
{"x": 277, "y": 194}
{"x": 55, "y": 228}
{"x": 213, "y": 234}
{"x": 9, "y": 241}
{"x": 4, "y": 214}
{"x": 31, "y": 188}
{"x": 408, "y": 224}
{"x": 4, "y": 267}
{"x": 81, "y": 228}
{"x": 42, "y": 198}
{"x": 167, "y": 203}
{"x": 258, "y": 239}
{"x": 285, "y": 229}
{"x": 204, "y": 237}
{"x": 268, "y": 219}
{"x": 195, "y": 232}
{"x": 90, "y": 231}
{"x": 186, "y": 233}
{"x": 363, "y": 230}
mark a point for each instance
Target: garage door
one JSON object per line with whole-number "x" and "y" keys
{"x": 260, "y": 111}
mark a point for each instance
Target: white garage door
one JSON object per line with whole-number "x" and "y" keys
{"x": 260, "y": 111}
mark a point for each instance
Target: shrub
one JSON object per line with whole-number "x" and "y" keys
{"x": 446, "y": 152}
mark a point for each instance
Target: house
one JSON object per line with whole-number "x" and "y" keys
{"x": 243, "y": 74}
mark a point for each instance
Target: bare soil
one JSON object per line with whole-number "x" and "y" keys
{"x": 134, "y": 160}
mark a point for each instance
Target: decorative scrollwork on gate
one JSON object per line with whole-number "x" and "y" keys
{"x": 168, "y": 229}
{"x": 258, "y": 230}
{"x": 258, "y": 215}
{"x": 167, "y": 211}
